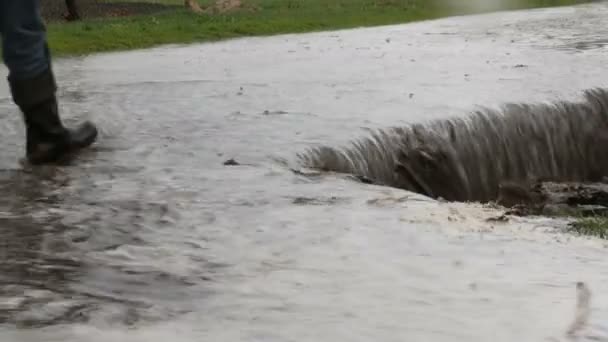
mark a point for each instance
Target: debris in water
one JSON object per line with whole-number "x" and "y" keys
{"x": 363, "y": 179}
{"x": 501, "y": 218}
{"x": 317, "y": 201}
{"x": 231, "y": 162}
{"x": 388, "y": 200}
{"x": 275, "y": 112}
{"x": 308, "y": 174}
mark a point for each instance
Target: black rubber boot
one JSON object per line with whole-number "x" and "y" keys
{"x": 48, "y": 141}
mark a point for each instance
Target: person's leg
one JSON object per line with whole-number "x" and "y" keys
{"x": 72, "y": 10}
{"x": 1, "y": 19}
{"x": 24, "y": 39}
{"x": 33, "y": 86}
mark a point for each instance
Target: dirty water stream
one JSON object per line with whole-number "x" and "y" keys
{"x": 150, "y": 237}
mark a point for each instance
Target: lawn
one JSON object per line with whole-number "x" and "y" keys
{"x": 257, "y": 18}
{"x": 594, "y": 226}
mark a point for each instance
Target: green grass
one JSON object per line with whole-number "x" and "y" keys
{"x": 594, "y": 226}
{"x": 589, "y": 223}
{"x": 270, "y": 17}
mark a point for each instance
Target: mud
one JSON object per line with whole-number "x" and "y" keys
{"x": 150, "y": 237}
{"x": 547, "y": 198}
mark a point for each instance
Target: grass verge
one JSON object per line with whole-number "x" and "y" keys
{"x": 594, "y": 226}
{"x": 259, "y": 18}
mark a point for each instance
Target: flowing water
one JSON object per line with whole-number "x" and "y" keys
{"x": 150, "y": 237}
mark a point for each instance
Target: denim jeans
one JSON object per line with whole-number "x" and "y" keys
{"x": 24, "y": 46}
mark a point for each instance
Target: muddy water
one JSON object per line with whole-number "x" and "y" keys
{"x": 150, "y": 237}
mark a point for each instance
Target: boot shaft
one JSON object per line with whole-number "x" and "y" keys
{"x": 47, "y": 140}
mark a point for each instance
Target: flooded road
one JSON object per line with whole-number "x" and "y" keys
{"x": 150, "y": 237}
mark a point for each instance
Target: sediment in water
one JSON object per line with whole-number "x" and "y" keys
{"x": 466, "y": 159}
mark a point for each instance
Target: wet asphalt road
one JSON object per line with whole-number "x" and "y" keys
{"x": 150, "y": 237}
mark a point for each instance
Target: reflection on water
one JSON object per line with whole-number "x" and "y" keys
{"x": 37, "y": 265}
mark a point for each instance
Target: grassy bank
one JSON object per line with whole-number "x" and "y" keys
{"x": 593, "y": 226}
{"x": 258, "y": 17}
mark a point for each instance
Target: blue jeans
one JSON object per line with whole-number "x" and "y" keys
{"x": 24, "y": 46}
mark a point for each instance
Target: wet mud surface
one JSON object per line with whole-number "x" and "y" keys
{"x": 546, "y": 198}
{"x": 187, "y": 222}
